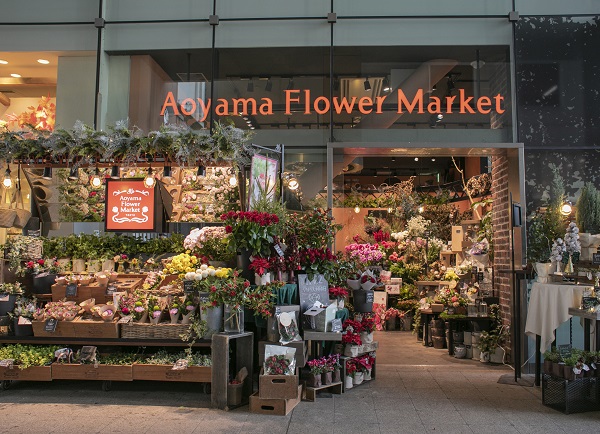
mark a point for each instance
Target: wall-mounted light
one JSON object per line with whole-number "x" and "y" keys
{"x": 201, "y": 171}
{"x": 149, "y": 180}
{"x": 47, "y": 174}
{"x": 73, "y": 173}
{"x": 114, "y": 172}
{"x": 96, "y": 181}
{"x": 435, "y": 119}
{"x": 566, "y": 208}
{"x": 7, "y": 181}
{"x": 357, "y": 209}
{"x": 367, "y": 84}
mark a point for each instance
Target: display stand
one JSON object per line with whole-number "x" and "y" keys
{"x": 344, "y": 359}
{"x": 311, "y": 392}
{"x": 452, "y": 322}
{"x": 316, "y": 338}
{"x": 224, "y": 367}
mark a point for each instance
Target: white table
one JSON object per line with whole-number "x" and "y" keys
{"x": 548, "y": 308}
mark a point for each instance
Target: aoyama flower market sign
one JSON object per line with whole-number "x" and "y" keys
{"x": 321, "y": 105}
{"x": 129, "y": 206}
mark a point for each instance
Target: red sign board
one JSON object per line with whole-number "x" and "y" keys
{"x": 129, "y": 206}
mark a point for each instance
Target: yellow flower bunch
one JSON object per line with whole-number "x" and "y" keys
{"x": 181, "y": 264}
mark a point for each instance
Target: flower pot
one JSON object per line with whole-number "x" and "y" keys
{"x": 262, "y": 280}
{"x": 43, "y": 282}
{"x": 64, "y": 263}
{"x": 78, "y": 266}
{"x": 353, "y": 284}
{"x": 213, "y": 317}
{"x": 363, "y": 300}
{"x": 243, "y": 263}
{"x": 390, "y": 324}
{"x": 467, "y": 338}
{"x": 358, "y": 378}
{"x": 438, "y": 342}
{"x": 497, "y": 356}
{"x": 438, "y": 332}
{"x": 313, "y": 380}
{"x": 233, "y": 319}
{"x": 144, "y": 318}
{"x": 102, "y": 281}
{"x": 22, "y": 329}
{"x": 548, "y": 367}
{"x": 234, "y": 394}
{"x": 475, "y": 338}
{"x": 368, "y": 374}
{"x": 460, "y": 351}
{"x": 187, "y": 318}
{"x": 155, "y": 317}
{"x": 460, "y": 310}
{"x": 113, "y": 276}
{"x": 568, "y": 373}
{"x": 5, "y": 322}
{"x": 336, "y": 378}
{"x": 484, "y": 357}
{"x": 93, "y": 266}
{"x": 543, "y": 270}
{"x": 351, "y": 350}
{"x": 476, "y": 352}
{"x": 8, "y": 305}
{"x": 406, "y": 322}
{"x": 326, "y": 378}
{"x": 366, "y": 337}
{"x": 349, "y": 384}
{"x": 174, "y": 317}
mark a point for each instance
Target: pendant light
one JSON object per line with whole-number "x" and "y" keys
{"x": 149, "y": 180}
{"x": 7, "y": 181}
{"x": 96, "y": 181}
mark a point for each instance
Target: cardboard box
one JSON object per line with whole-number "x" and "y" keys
{"x": 396, "y": 280}
{"x": 279, "y": 407}
{"x": 79, "y": 328}
{"x": 319, "y": 318}
{"x": 301, "y": 352}
{"x": 380, "y": 297}
{"x": 277, "y": 386}
{"x": 392, "y": 289}
{"x": 458, "y": 235}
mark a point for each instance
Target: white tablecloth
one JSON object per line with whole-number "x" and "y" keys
{"x": 549, "y": 305}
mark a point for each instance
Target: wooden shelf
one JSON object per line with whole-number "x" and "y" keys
{"x": 311, "y": 392}
{"x": 102, "y": 342}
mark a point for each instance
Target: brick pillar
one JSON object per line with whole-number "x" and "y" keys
{"x": 501, "y": 227}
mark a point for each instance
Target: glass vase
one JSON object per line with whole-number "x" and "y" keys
{"x": 233, "y": 319}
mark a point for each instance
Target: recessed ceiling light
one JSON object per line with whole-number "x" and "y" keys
{"x": 43, "y": 61}
{"x": 3, "y": 62}
{"x": 416, "y": 158}
{"x": 15, "y": 75}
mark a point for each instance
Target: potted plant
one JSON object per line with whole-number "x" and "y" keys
{"x": 490, "y": 341}
{"x": 550, "y": 358}
{"x": 174, "y": 309}
{"x": 8, "y": 296}
{"x": 154, "y": 310}
{"x": 317, "y": 367}
{"x": 407, "y": 307}
{"x": 261, "y": 266}
{"x": 353, "y": 280}
{"x": 391, "y": 315}
{"x": 351, "y": 337}
{"x": 367, "y": 325}
{"x": 339, "y": 294}
{"x": 188, "y": 309}
{"x": 22, "y": 316}
{"x": 351, "y": 370}
{"x": 333, "y": 362}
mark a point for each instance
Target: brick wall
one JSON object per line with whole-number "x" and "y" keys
{"x": 501, "y": 226}
{"x": 499, "y": 85}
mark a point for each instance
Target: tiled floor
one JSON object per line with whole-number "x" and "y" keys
{"x": 417, "y": 390}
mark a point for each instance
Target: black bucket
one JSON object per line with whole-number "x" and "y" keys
{"x": 363, "y": 300}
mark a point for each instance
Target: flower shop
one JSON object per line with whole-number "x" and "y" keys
{"x": 201, "y": 272}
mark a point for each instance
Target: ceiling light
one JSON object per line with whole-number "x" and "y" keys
{"x": 269, "y": 85}
{"x": 3, "y": 62}
{"x": 357, "y": 209}
{"x": 421, "y": 209}
{"x": 47, "y": 173}
{"x": 15, "y": 75}
{"x": 367, "y": 84}
{"x": 433, "y": 159}
{"x": 566, "y": 208}
{"x": 250, "y": 87}
{"x": 149, "y": 180}
{"x": 7, "y": 181}
{"x": 74, "y": 173}
{"x": 96, "y": 181}
{"x": 114, "y": 172}
{"x": 252, "y": 128}
{"x": 201, "y": 171}
{"x": 43, "y": 61}
{"x": 476, "y": 65}
{"x": 416, "y": 158}
{"x": 386, "y": 85}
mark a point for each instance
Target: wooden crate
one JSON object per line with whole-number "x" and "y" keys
{"x": 67, "y": 371}
{"x": 33, "y": 373}
{"x": 134, "y": 330}
{"x": 280, "y": 407}
{"x": 277, "y": 386}
{"x": 193, "y": 374}
{"x": 78, "y": 328}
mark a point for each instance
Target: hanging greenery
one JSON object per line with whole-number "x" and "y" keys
{"x": 82, "y": 145}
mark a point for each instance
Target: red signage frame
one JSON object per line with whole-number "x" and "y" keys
{"x": 130, "y": 206}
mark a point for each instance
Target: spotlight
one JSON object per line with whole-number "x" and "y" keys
{"x": 434, "y": 119}
{"x": 367, "y": 84}
{"x": 74, "y": 174}
{"x": 149, "y": 180}
{"x": 250, "y": 87}
{"x": 293, "y": 183}
{"x": 47, "y": 173}
{"x": 233, "y": 180}
{"x": 566, "y": 208}
{"x": 386, "y": 85}
{"x": 421, "y": 209}
{"x": 7, "y": 181}
{"x": 96, "y": 181}
{"x": 167, "y": 172}
{"x": 269, "y": 85}
{"x": 357, "y": 209}
{"x": 114, "y": 172}
{"x": 416, "y": 158}
{"x": 201, "y": 171}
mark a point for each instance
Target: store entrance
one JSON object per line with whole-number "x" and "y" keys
{"x": 433, "y": 223}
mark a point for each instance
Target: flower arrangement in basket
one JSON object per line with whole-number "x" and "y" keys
{"x": 251, "y": 230}
{"x": 135, "y": 306}
{"x": 451, "y": 298}
{"x": 155, "y": 308}
{"x": 210, "y": 243}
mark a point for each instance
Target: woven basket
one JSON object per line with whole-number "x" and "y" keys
{"x": 151, "y": 331}
{"x": 34, "y": 249}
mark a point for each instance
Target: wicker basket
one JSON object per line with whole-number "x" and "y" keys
{"x": 34, "y": 249}
{"x": 151, "y": 331}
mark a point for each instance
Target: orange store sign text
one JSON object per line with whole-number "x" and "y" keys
{"x": 322, "y": 104}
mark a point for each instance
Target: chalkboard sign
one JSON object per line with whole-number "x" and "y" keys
{"x": 71, "y": 290}
{"x": 50, "y": 325}
{"x": 588, "y": 302}
{"x": 565, "y": 350}
{"x": 336, "y": 325}
{"x": 111, "y": 289}
{"x": 188, "y": 286}
{"x": 370, "y": 297}
{"x": 596, "y": 259}
{"x": 313, "y": 290}
{"x": 35, "y": 233}
{"x": 203, "y": 297}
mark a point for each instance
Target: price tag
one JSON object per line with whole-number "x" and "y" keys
{"x": 203, "y": 297}
{"x": 336, "y": 325}
{"x": 279, "y": 250}
{"x": 188, "y": 286}
{"x": 50, "y": 325}
{"x": 124, "y": 320}
{"x": 35, "y": 233}
{"x": 71, "y": 290}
